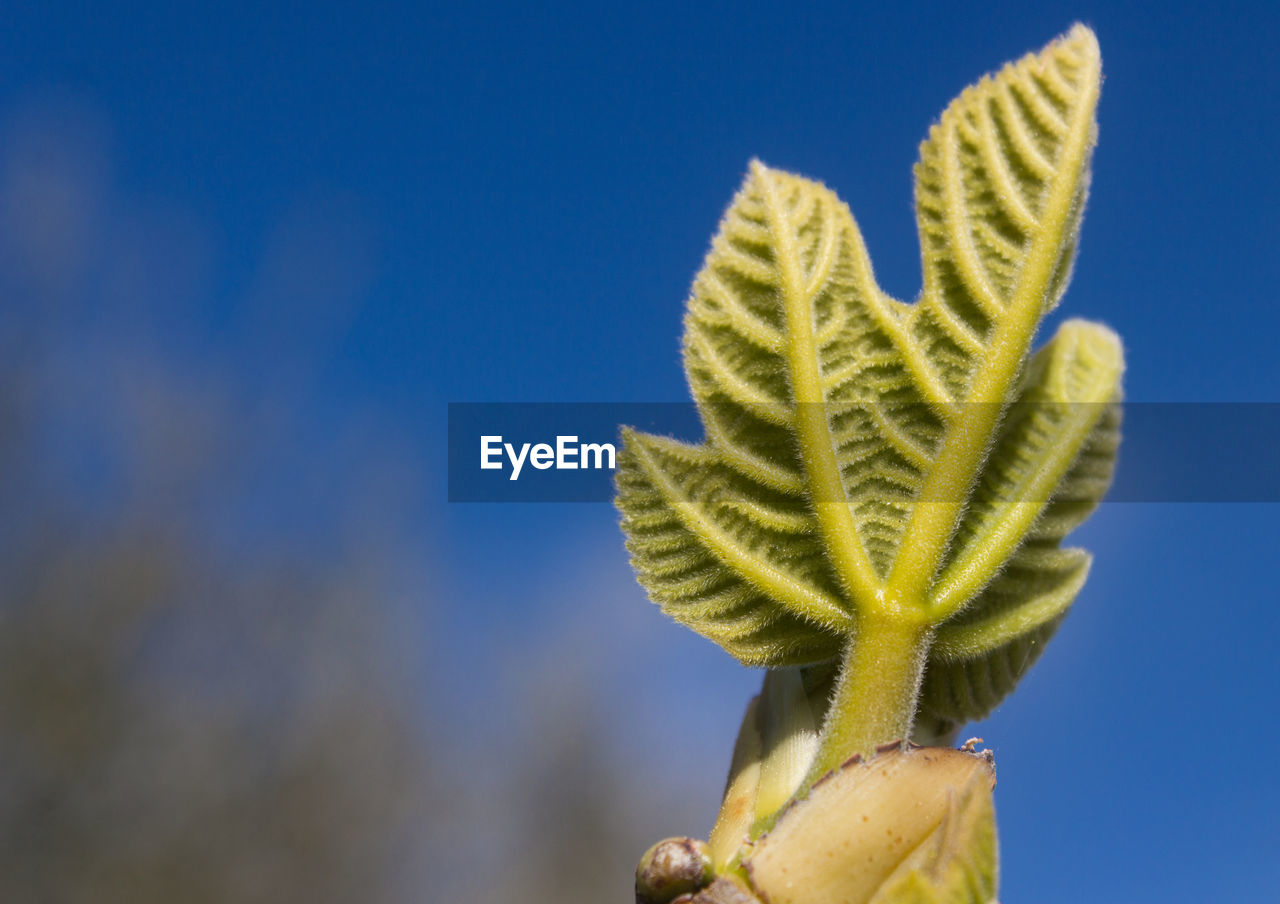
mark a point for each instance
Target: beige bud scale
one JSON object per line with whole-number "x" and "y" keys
{"x": 910, "y": 824}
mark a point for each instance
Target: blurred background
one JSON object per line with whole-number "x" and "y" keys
{"x": 249, "y": 653}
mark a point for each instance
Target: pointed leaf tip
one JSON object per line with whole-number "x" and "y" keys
{"x": 832, "y": 412}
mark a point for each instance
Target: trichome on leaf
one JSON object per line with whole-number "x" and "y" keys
{"x": 877, "y": 512}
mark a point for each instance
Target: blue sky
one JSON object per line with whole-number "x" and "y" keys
{"x": 386, "y": 209}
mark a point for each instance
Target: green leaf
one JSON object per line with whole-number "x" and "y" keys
{"x": 881, "y": 481}
{"x": 1051, "y": 465}
{"x": 698, "y": 532}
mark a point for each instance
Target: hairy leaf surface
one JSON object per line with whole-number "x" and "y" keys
{"x": 870, "y": 459}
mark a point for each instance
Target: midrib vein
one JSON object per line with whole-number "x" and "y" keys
{"x": 963, "y": 449}
{"x": 826, "y": 487}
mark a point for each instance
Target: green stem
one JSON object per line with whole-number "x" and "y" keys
{"x": 875, "y": 695}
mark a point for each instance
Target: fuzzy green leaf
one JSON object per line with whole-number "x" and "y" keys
{"x": 868, "y": 461}
{"x": 1046, "y": 446}
{"x": 697, "y": 530}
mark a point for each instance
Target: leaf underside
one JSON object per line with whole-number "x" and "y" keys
{"x": 862, "y": 453}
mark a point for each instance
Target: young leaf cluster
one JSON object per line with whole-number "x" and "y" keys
{"x": 889, "y": 482}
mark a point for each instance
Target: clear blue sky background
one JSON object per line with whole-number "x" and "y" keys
{"x": 406, "y": 206}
